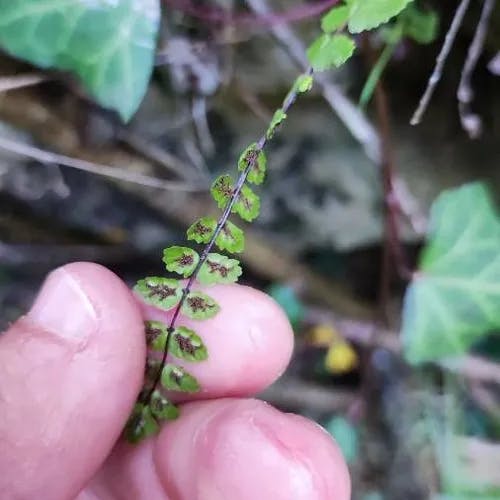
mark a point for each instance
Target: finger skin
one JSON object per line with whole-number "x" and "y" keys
{"x": 249, "y": 341}
{"x": 238, "y": 449}
{"x": 70, "y": 372}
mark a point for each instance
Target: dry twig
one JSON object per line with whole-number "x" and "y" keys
{"x": 20, "y": 81}
{"x": 440, "y": 62}
{"x": 43, "y": 156}
{"x": 471, "y": 122}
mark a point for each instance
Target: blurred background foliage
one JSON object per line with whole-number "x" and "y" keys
{"x": 346, "y": 208}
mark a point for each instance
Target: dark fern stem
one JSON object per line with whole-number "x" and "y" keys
{"x": 261, "y": 144}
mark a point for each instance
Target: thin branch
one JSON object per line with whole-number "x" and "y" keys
{"x": 470, "y": 121}
{"x": 292, "y": 394}
{"x": 440, "y": 62}
{"x": 261, "y": 144}
{"x": 106, "y": 170}
{"x": 157, "y": 154}
{"x": 20, "y": 81}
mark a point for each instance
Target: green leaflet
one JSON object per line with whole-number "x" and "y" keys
{"x": 452, "y": 301}
{"x": 109, "y": 45}
{"x": 156, "y": 335}
{"x": 181, "y": 260}
{"x": 231, "y": 238}
{"x": 202, "y": 230}
{"x": 335, "y": 19}
{"x": 257, "y": 158}
{"x": 303, "y": 83}
{"x": 199, "y": 305}
{"x": 164, "y": 293}
{"x": 141, "y": 424}
{"x": 330, "y": 51}
{"x": 365, "y": 15}
{"x": 219, "y": 269}
{"x": 222, "y": 190}
{"x": 176, "y": 378}
{"x": 278, "y": 117}
{"x": 187, "y": 345}
{"x": 247, "y": 204}
{"x": 162, "y": 408}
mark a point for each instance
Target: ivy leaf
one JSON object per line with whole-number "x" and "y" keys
{"x": 202, "y": 230}
{"x": 176, "y": 378}
{"x": 335, "y": 19}
{"x": 329, "y": 51}
{"x": 162, "y": 408}
{"x": 110, "y": 46}
{"x": 453, "y": 299}
{"x": 187, "y": 345}
{"x": 222, "y": 190}
{"x": 199, "y": 305}
{"x": 156, "y": 335}
{"x": 218, "y": 268}
{"x": 278, "y": 117}
{"x": 366, "y": 15}
{"x": 164, "y": 293}
{"x": 252, "y": 155}
{"x": 247, "y": 205}
{"x": 141, "y": 424}
{"x": 303, "y": 84}
{"x": 181, "y": 260}
{"x": 231, "y": 238}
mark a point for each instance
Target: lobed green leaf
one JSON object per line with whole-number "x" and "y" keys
{"x": 278, "y": 117}
{"x": 162, "y": 408}
{"x": 257, "y": 158}
{"x": 202, "y": 230}
{"x": 218, "y": 268}
{"x": 181, "y": 260}
{"x": 231, "y": 238}
{"x": 110, "y": 46}
{"x": 199, "y": 305}
{"x": 365, "y": 15}
{"x": 452, "y": 301}
{"x": 187, "y": 345}
{"x": 164, "y": 293}
{"x": 329, "y": 51}
{"x": 335, "y": 19}
{"x": 176, "y": 378}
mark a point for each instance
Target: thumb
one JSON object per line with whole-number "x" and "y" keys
{"x": 69, "y": 373}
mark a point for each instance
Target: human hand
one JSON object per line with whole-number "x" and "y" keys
{"x": 71, "y": 369}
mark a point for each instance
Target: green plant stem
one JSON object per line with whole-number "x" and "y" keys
{"x": 261, "y": 144}
{"x": 376, "y": 72}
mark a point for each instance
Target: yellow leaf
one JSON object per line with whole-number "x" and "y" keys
{"x": 341, "y": 358}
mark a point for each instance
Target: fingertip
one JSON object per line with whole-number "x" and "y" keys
{"x": 246, "y": 449}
